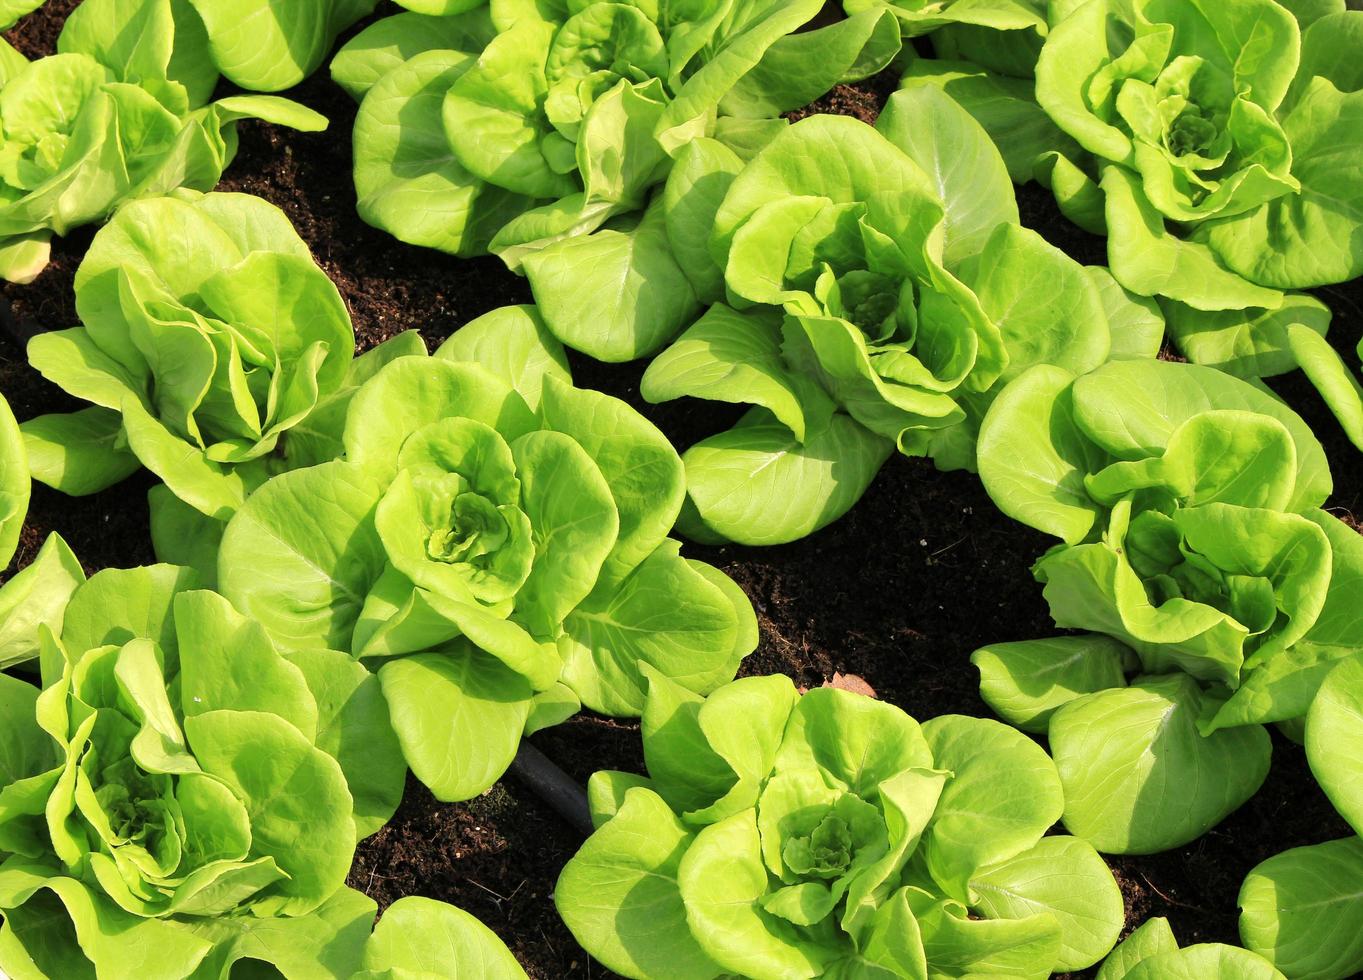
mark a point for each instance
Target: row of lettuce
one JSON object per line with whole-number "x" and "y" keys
{"x": 407, "y": 560}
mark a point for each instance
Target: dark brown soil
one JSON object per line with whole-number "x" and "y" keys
{"x": 919, "y": 574}
{"x": 36, "y": 34}
{"x": 863, "y": 100}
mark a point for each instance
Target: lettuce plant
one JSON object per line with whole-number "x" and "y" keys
{"x": 495, "y": 543}
{"x": 1302, "y": 909}
{"x": 12, "y": 10}
{"x": 828, "y": 834}
{"x": 15, "y": 486}
{"x": 1152, "y": 953}
{"x": 1220, "y": 169}
{"x": 1002, "y": 35}
{"x": 1188, "y": 506}
{"x": 1331, "y": 726}
{"x": 918, "y": 17}
{"x": 265, "y": 46}
{"x": 879, "y": 292}
{"x": 209, "y": 337}
{"x": 180, "y": 794}
{"x": 419, "y": 937}
{"x": 37, "y": 593}
{"x": 663, "y": 269}
{"x": 1243, "y": 145}
{"x": 121, "y": 111}
{"x": 1322, "y": 364}
{"x": 514, "y": 125}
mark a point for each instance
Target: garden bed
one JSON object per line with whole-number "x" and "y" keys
{"x": 920, "y": 573}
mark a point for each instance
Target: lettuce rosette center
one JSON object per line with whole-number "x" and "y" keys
{"x": 1159, "y": 552}
{"x": 40, "y": 109}
{"x": 596, "y": 49}
{"x": 474, "y": 527}
{"x": 1186, "y": 112}
{"x": 817, "y": 841}
{"x": 512, "y": 524}
{"x": 597, "y": 77}
{"x": 830, "y": 849}
{"x": 452, "y": 521}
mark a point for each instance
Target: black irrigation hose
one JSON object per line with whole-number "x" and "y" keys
{"x": 554, "y": 786}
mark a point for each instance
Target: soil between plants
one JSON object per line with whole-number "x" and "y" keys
{"x": 922, "y": 571}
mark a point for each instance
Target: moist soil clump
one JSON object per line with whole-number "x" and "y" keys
{"x": 898, "y": 593}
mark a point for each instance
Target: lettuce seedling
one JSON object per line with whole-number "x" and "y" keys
{"x": 179, "y": 790}
{"x": 780, "y": 835}
{"x": 118, "y": 113}
{"x": 210, "y": 335}
{"x": 1152, "y": 953}
{"x": 265, "y": 46}
{"x": 1188, "y": 504}
{"x": 872, "y": 290}
{"x": 511, "y": 126}
{"x": 495, "y": 543}
{"x": 37, "y": 594}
